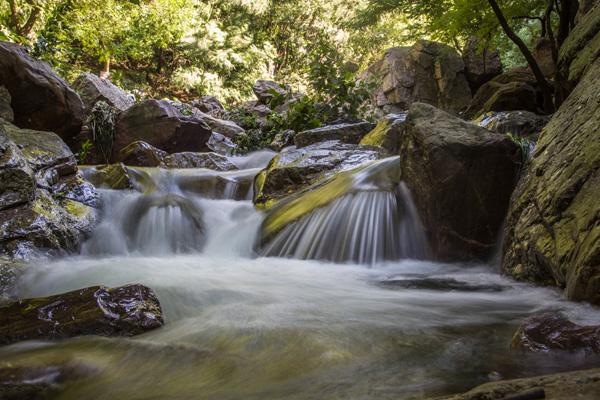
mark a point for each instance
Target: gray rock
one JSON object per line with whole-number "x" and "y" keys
{"x": 221, "y": 144}
{"x": 282, "y": 140}
{"x": 141, "y": 154}
{"x": 518, "y": 123}
{"x": 226, "y": 128}
{"x": 345, "y": 133}
{"x": 212, "y": 161}
{"x": 210, "y": 105}
{"x": 481, "y": 65}
{"x": 428, "y": 72}
{"x": 461, "y": 177}
{"x": 387, "y": 134}
{"x": 92, "y": 89}
{"x": 264, "y": 90}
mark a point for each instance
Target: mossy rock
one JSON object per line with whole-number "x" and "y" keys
{"x": 387, "y": 133}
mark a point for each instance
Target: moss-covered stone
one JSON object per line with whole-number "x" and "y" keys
{"x": 387, "y": 133}
{"x": 553, "y": 226}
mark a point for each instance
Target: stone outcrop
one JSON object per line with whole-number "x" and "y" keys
{"x": 123, "y": 311}
{"x": 141, "y": 154}
{"x": 163, "y": 125}
{"x": 547, "y": 332}
{"x": 581, "y": 48}
{"x": 40, "y": 99}
{"x": 387, "y": 133}
{"x": 562, "y": 386}
{"x": 264, "y": 91}
{"x": 293, "y": 170}
{"x": 519, "y": 123}
{"x": 209, "y": 105}
{"x": 461, "y": 177}
{"x": 6, "y": 111}
{"x": 481, "y": 64}
{"x": 212, "y": 161}
{"x": 45, "y": 205}
{"x": 226, "y": 128}
{"x": 427, "y": 72}
{"x": 553, "y": 227}
{"x": 119, "y": 177}
{"x": 92, "y": 89}
{"x": 346, "y": 133}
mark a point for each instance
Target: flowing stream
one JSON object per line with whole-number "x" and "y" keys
{"x": 243, "y": 326}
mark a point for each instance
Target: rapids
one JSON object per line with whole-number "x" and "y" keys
{"x": 243, "y": 326}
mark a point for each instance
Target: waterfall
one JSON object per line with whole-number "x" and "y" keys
{"x": 374, "y": 221}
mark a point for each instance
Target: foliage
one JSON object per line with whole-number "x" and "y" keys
{"x": 86, "y": 148}
{"x": 101, "y": 122}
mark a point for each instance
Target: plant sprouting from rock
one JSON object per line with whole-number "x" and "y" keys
{"x": 101, "y": 122}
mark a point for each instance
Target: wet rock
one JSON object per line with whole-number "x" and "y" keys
{"x": 6, "y": 111}
{"x": 550, "y": 331}
{"x": 481, "y": 64}
{"x": 141, "y": 154}
{"x": 92, "y": 89}
{"x": 232, "y": 186}
{"x": 44, "y": 204}
{"x": 226, "y": 128}
{"x": 210, "y": 105}
{"x": 163, "y": 125}
{"x": 428, "y": 72}
{"x": 518, "y": 123}
{"x": 38, "y": 382}
{"x": 552, "y": 234}
{"x": 582, "y": 385}
{"x": 40, "y": 99}
{"x": 581, "y": 48}
{"x": 123, "y": 311}
{"x": 10, "y": 271}
{"x": 387, "y": 133}
{"x": 212, "y": 161}
{"x": 351, "y": 133}
{"x": 296, "y": 169}
{"x": 266, "y": 90}
{"x": 118, "y": 177}
{"x": 439, "y": 284}
{"x": 461, "y": 177}
{"x": 282, "y": 140}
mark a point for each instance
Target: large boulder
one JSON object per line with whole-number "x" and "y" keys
{"x": 141, "y": 154}
{"x": 461, "y": 177}
{"x": 6, "y": 111}
{"x": 550, "y": 331}
{"x": 40, "y": 99}
{"x": 45, "y": 205}
{"x": 581, "y": 48}
{"x": 92, "y": 89}
{"x": 296, "y": 169}
{"x": 387, "y": 133}
{"x": 427, "y": 72}
{"x": 210, "y": 105}
{"x": 553, "y": 227}
{"x": 517, "y": 123}
{"x": 351, "y": 133}
{"x": 161, "y": 124}
{"x": 123, "y": 311}
{"x": 481, "y": 64}
{"x": 499, "y": 96}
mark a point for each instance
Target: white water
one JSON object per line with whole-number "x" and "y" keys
{"x": 242, "y": 327}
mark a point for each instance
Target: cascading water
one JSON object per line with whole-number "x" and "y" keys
{"x": 245, "y": 327}
{"x": 374, "y": 220}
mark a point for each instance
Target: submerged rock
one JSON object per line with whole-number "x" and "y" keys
{"x": 387, "y": 133}
{"x": 518, "y": 123}
{"x": 582, "y": 385}
{"x": 41, "y": 100}
{"x": 428, "y": 72}
{"x": 38, "y": 382}
{"x": 546, "y": 332}
{"x": 439, "y": 284}
{"x": 345, "y": 133}
{"x": 6, "y": 111}
{"x": 552, "y": 234}
{"x": 163, "y": 125}
{"x": 295, "y": 169}
{"x": 92, "y": 89}
{"x": 123, "y": 311}
{"x": 461, "y": 177}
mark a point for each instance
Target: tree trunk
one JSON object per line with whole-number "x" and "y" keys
{"x": 535, "y": 68}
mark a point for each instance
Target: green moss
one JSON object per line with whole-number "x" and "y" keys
{"x": 75, "y": 208}
{"x": 377, "y": 137}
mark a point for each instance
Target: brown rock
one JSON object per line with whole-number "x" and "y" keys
{"x": 141, "y": 154}
{"x": 481, "y": 65}
{"x": 345, "y": 133}
{"x": 40, "y": 99}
